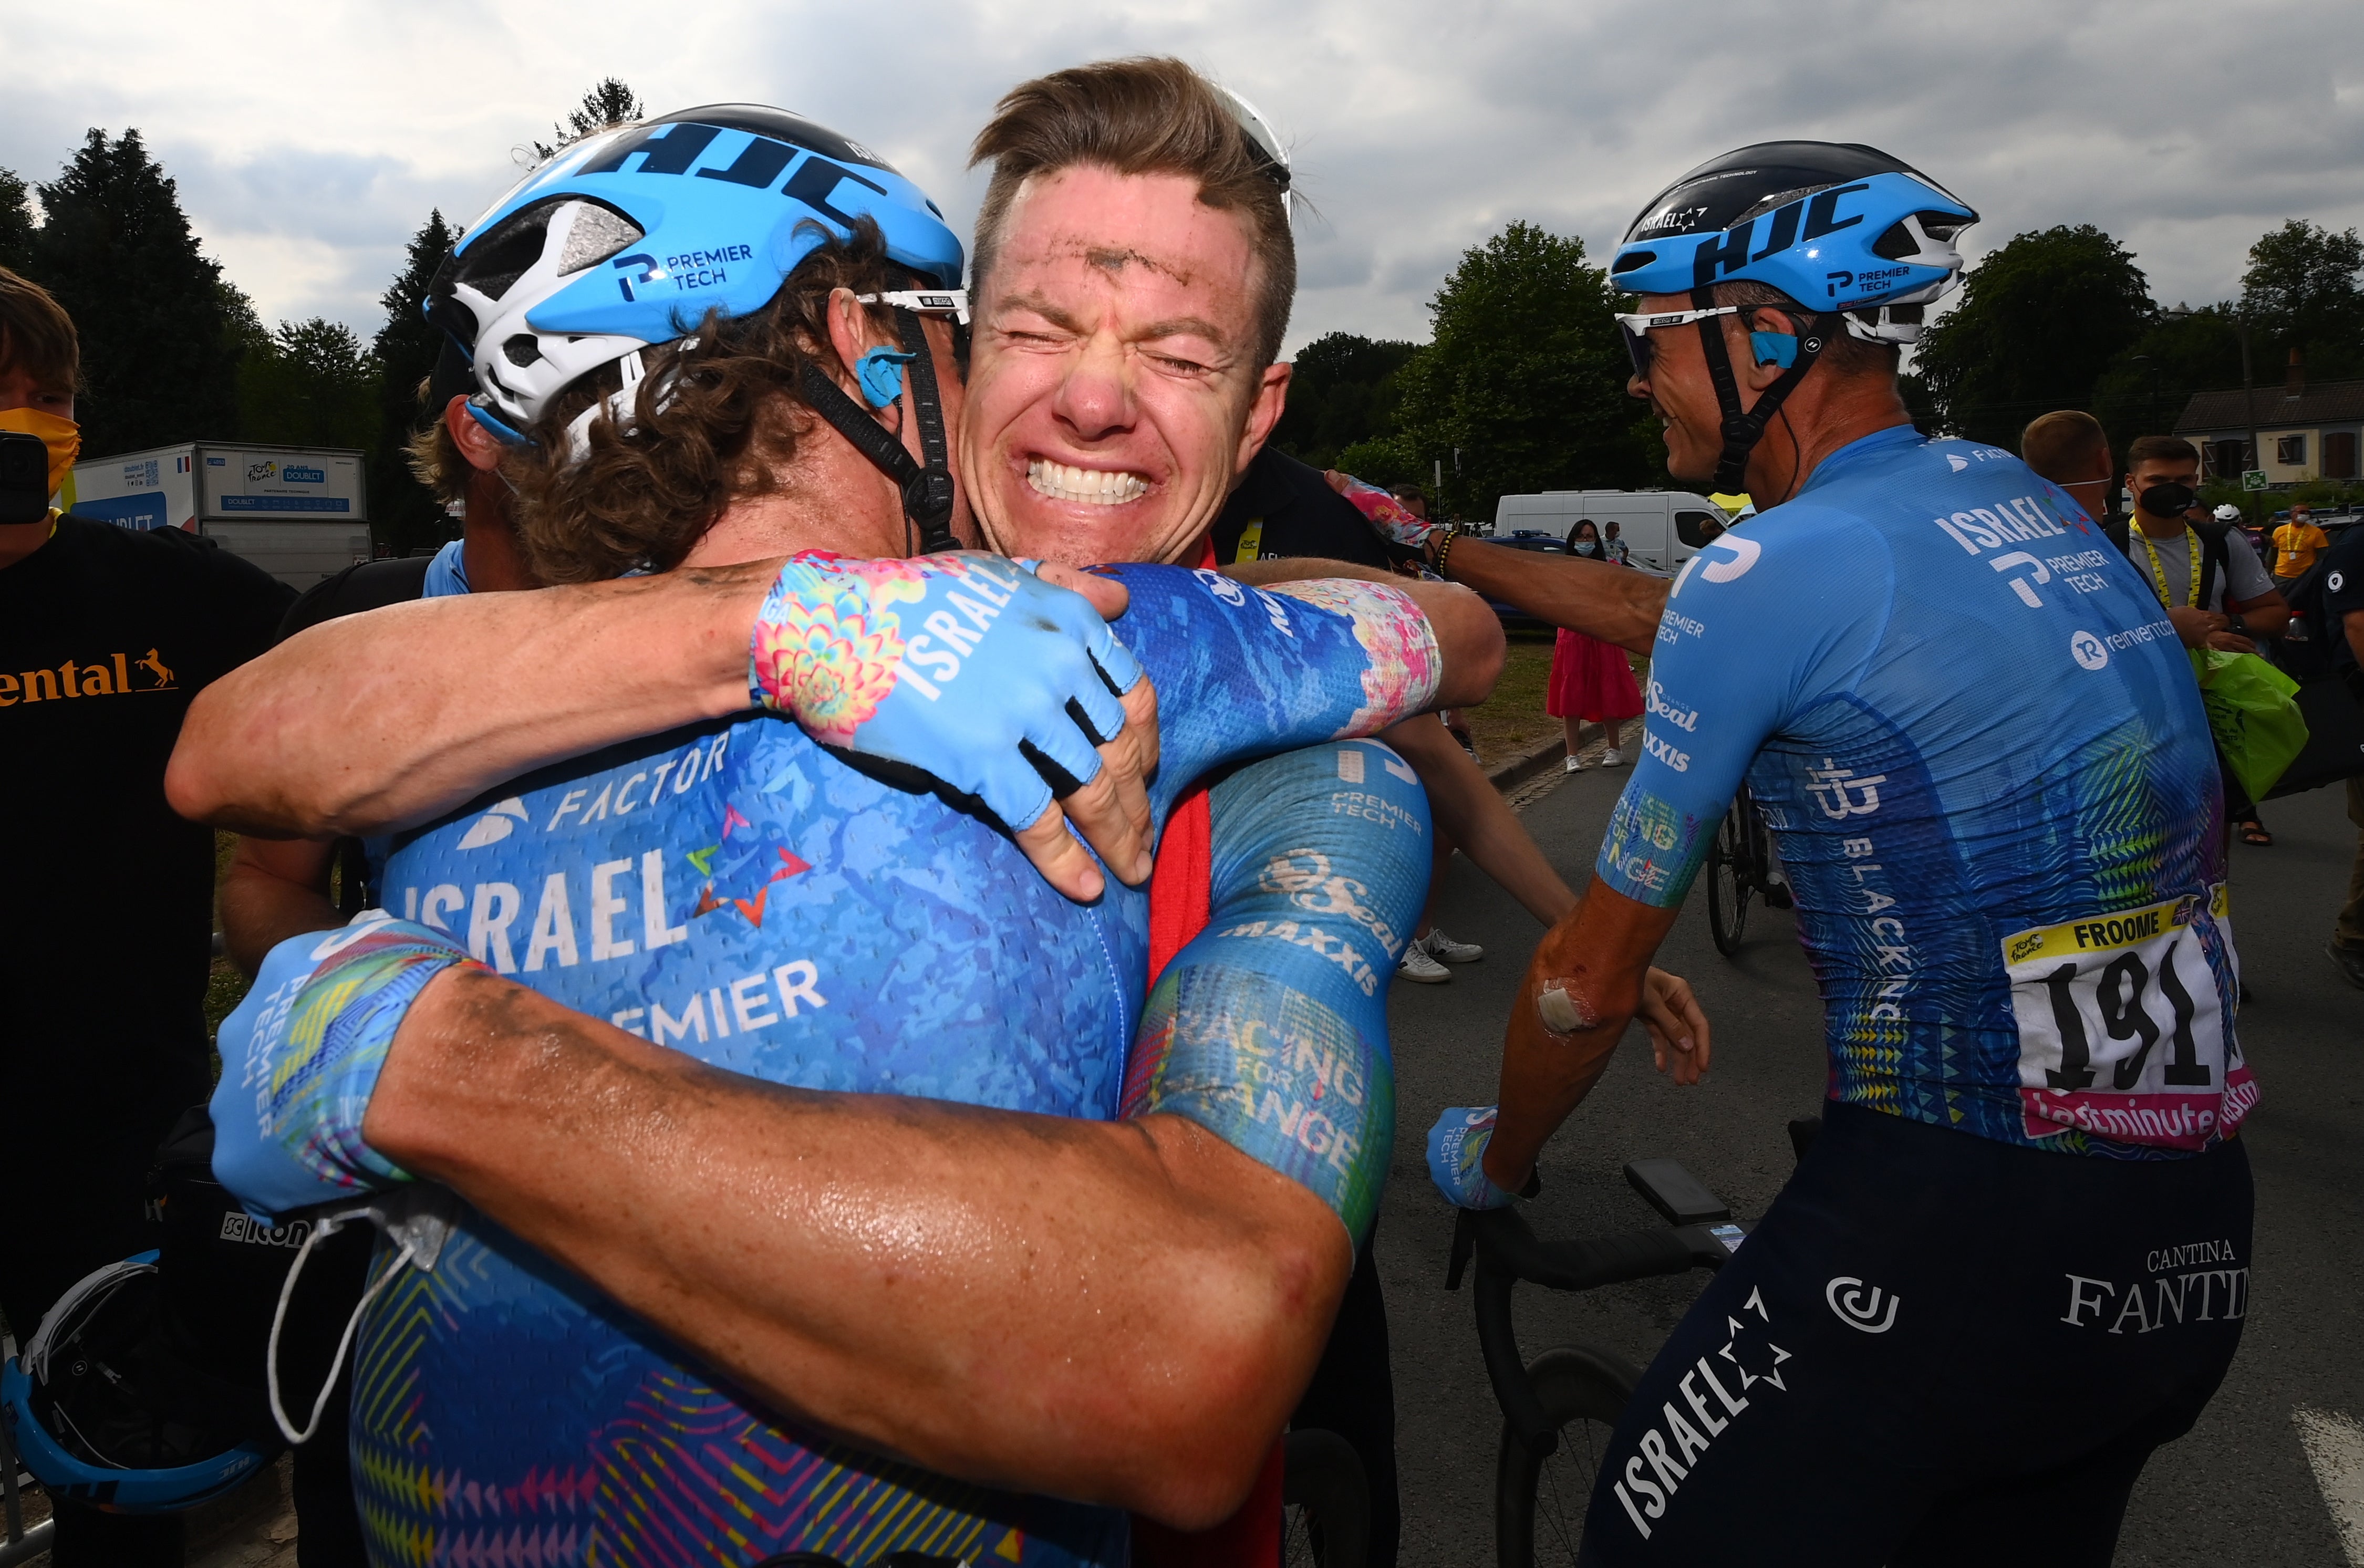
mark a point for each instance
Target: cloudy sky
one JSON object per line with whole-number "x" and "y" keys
{"x": 309, "y": 139}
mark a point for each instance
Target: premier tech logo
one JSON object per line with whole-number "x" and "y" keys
{"x": 113, "y": 675}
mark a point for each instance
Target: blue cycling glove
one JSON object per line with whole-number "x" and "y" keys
{"x": 963, "y": 666}
{"x": 1456, "y": 1158}
{"x": 300, "y": 1059}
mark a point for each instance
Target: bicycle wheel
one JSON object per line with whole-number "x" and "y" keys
{"x": 1539, "y": 1501}
{"x": 1325, "y": 1502}
{"x": 1731, "y": 878}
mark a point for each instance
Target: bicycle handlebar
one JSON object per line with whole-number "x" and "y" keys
{"x": 1507, "y": 1251}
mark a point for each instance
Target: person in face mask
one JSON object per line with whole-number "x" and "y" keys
{"x": 105, "y": 909}
{"x": 2217, "y": 592}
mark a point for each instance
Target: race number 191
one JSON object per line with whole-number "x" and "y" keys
{"x": 2123, "y": 1027}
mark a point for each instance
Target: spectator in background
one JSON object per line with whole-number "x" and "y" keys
{"x": 275, "y": 888}
{"x": 2296, "y": 543}
{"x": 1590, "y": 679}
{"x": 2216, "y": 594}
{"x": 1614, "y": 550}
{"x": 107, "y": 907}
{"x": 2069, "y": 448}
{"x": 2343, "y": 606}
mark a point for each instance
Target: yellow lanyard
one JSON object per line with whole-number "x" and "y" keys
{"x": 2158, "y": 570}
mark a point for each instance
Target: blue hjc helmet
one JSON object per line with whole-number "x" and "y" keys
{"x": 72, "y": 1402}
{"x": 627, "y": 238}
{"x": 1861, "y": 242}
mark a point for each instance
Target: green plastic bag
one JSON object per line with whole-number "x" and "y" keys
{"x": 2250, "y": 711}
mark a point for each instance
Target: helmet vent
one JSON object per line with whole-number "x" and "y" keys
{"x": 1764, "y": 205}
{"x": 504, "y": 255}
{"x": 1633, "y": 259}
{"x": 1900, "y": 243}
{"x": 521, "y": 350}
{"x": 597, "y": 233}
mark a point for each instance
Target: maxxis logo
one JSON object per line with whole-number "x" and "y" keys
{"x": 2088, "y": 651}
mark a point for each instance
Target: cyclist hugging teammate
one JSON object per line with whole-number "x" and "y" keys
{"x": 2016, "y": 1259}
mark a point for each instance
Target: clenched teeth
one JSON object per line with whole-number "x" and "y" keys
{"x": 1092, "y": 486}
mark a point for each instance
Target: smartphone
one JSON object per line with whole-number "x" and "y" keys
{"x": 24, "y": 477}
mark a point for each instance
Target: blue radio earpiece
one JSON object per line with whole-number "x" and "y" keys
{"x": 881, "y": 373}
{"x": 1774, "y": 348}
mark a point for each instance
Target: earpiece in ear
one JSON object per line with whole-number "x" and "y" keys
{"x": 880, "y": 371}
{"x": 1773, "y": 349}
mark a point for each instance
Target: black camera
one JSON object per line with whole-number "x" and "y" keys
{"x": 24, "y": 477}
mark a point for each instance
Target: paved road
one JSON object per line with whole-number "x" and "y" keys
{"x": 2239, "y": 1489}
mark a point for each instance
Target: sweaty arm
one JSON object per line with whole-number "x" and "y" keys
{"x": 1722, "y": 662}
{"x": 370, "y": 723}
{"x": 1616, "y": 603}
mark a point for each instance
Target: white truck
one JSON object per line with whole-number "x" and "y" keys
{"x": 1663, "y": 528}
{"x": 300, "y": 513}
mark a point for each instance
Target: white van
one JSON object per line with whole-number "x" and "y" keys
{"x": 1663, "y": 528}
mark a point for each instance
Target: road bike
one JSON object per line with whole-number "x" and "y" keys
{"x": 1325, "y": 1502}
{"x": 1740, "y": 866}
{"x": 1560, "y": 1409}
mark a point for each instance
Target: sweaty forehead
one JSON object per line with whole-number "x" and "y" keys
{"x": 1146, "y": 232}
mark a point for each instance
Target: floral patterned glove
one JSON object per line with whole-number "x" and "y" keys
{"x": 961, "y": 665}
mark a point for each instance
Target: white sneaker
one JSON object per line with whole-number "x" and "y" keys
{"x": 1575, "y": 764}
{"x": 1613, "y": 758}
{"x": 1418, "y": 965}
{"x": 1440, "y": 946}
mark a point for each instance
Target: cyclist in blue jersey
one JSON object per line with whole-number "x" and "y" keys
{"x": 741, "y": 895}
{"x": 2016, "y": 1259}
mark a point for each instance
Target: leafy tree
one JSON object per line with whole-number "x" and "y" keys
{"x": 1523, "y": 388}
{"x": 1341, "y": 393}
{"x": 312, "y": 384}
{"x": 609, "y": 103}
{"x": 159, "y": 358}
{"x": 2145, "y": 388}
{"x": 2039, "y": 322}
{"x": 2300, "y": 292}
{"x": 403, "y": 513}
{"x": 15, "y": 223}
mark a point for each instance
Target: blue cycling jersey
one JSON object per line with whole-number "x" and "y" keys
{"x": 739, "y": 892}
{"x": 1981, "y": 750}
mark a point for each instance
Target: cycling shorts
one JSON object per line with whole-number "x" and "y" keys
{"x": 1936, "y": 1349}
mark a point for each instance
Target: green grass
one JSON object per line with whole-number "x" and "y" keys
{"x": 225, "y": 988}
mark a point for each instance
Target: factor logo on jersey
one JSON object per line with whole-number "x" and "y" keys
{"x": 495, "y": 825}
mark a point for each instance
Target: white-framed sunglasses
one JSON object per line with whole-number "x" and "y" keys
{"x": 1636, "y": 328}
{"x": 927, "y": 302}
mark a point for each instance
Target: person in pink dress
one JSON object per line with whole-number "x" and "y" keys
{"x": 1590, "y": 681}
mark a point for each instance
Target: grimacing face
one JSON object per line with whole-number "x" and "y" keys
{"x": 1112, "y": 398}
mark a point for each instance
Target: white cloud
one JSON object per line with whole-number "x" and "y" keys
{"x": 310, "y": 139}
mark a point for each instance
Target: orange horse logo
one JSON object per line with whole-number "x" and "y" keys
{"x": 156, "y": 666}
